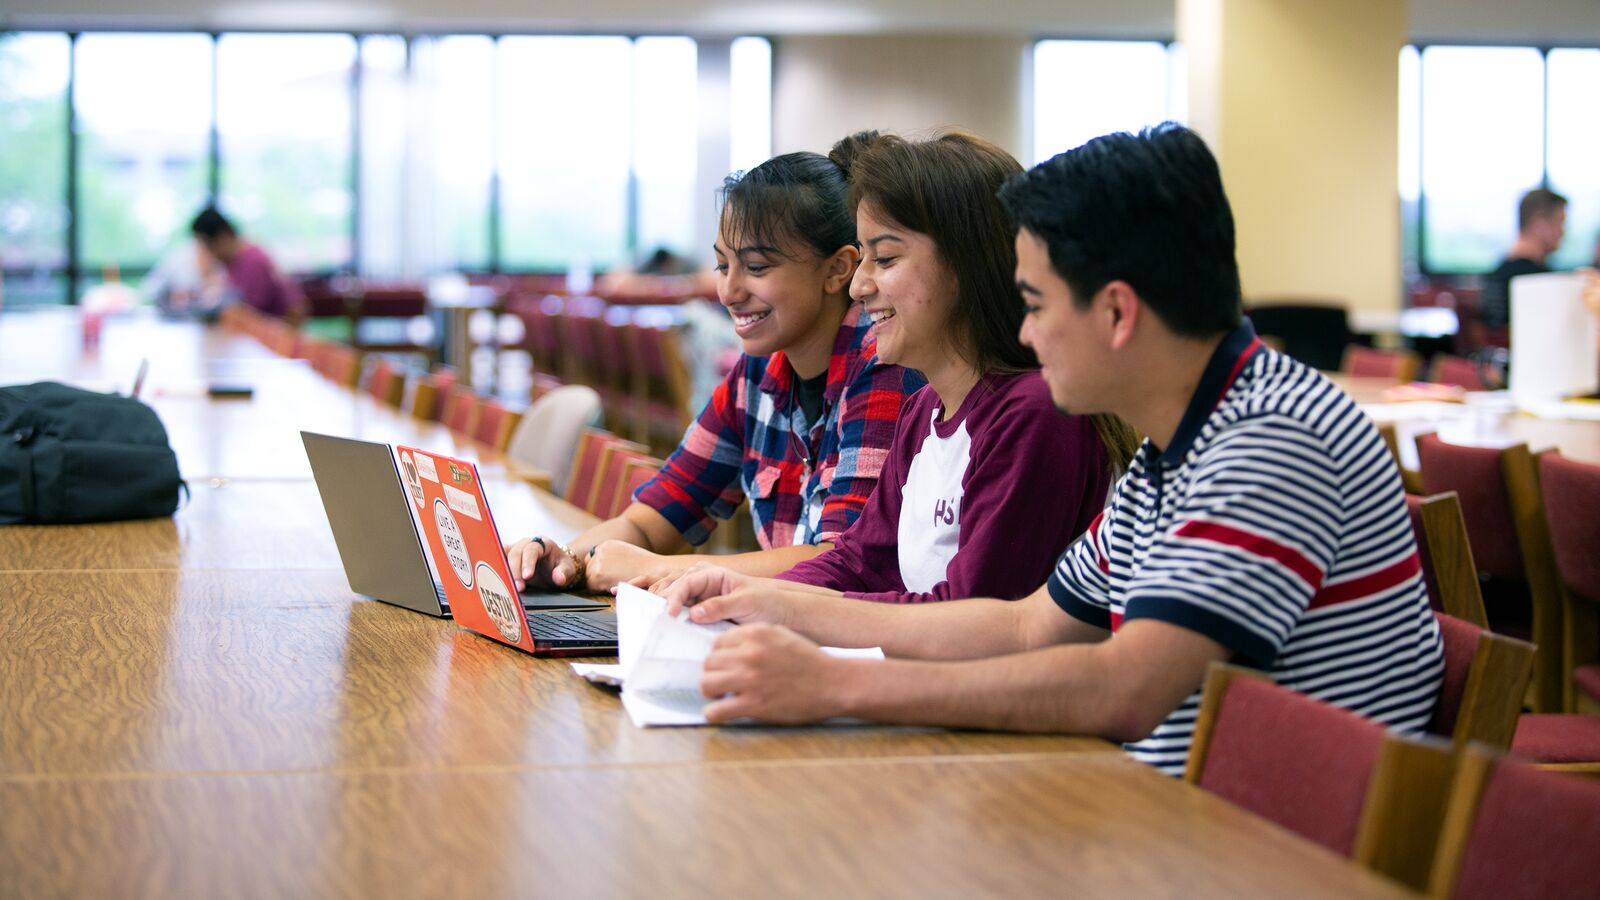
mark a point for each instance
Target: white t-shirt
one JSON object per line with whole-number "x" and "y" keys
{"x": 930, "y": 510}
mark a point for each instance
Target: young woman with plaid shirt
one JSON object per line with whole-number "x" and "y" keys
{"x": 802, "y": 424}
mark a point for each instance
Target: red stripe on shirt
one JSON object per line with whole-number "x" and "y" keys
{"x": 1238, "y": 366}
{"x": 1367, "y": 585}
{"x": 1094, "y": 541}
{"x": 1290, "y": 558}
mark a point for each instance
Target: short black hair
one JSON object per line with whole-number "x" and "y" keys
{"x": 211, "y": 224}
{"x": 1537, "y": 204}
{"x": 1148, "y": 209}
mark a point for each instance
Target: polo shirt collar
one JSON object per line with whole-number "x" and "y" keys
{"x": 1226, "y": 362}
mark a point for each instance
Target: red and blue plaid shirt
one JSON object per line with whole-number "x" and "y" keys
{"x": 751, "y": 441}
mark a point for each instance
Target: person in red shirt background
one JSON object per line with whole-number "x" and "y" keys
{"x": 250, "y": 270}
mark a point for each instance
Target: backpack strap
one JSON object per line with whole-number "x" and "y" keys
{"x": 23, "y": 437}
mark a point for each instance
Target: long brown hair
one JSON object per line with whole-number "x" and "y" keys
{"x": 948, "y": 189}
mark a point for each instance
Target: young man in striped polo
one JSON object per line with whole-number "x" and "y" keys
{"x": 1262, "y": 521}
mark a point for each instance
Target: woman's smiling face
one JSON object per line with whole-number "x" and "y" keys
{"x": 778, "y": 296}
{"x": 907, "y": 290}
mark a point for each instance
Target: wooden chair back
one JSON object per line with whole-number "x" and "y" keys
{"x": 495, "y": 424}
{"x": 1511, "y": 830}
{"x": 613, "y": 459}
{"x": 1503, "y": 507}
{"x": 1485, "y": 678}
{"x": 1320, "y": 771}
{"x": 1571, "y": 493}
{"x": 386, "y": 383}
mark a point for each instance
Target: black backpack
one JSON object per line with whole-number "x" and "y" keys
{"x": 70, "y": 455}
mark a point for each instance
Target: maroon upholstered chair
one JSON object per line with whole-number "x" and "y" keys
{"x": 588, "y": 467}
{"x": 1485, "y": 677}
{"x": 1572, "y": 509}
{"x": 613, "y": 475}
{"x": 1456, "y": 370}
{"x": 386, "y": 382}
{"x": 1510, "y": 541}
{"x": 1322, "y": 772}
{"x": 1365, "y": 362}
{"x": 1558, "y": 738}
{"x": 461, "y": 408}
{"x": 1477, "y": 475}
{"x": 494, "y": 425}
{"x": 634, "y": 477}
{"x": 1513, "y": 831}
{"x": 1286, "y": 757}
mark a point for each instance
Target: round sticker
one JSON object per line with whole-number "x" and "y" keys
{"x": 500, "y": 603}
{"x": 413, "y": 479}
{"x": 455, "y": 546}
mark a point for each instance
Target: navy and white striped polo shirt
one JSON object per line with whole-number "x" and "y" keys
{"x": 1275, "y": 524}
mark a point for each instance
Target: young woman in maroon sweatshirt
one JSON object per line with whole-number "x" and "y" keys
{"x": 986, "y": 481}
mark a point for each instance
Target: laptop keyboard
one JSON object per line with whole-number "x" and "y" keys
{"x": 573, "y": 627}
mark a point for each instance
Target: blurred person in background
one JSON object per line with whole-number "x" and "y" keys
{"x": 1541, "y": 225}
{"x": 250, "y": 270}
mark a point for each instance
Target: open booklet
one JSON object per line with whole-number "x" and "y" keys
{"x": 660, "y": 658}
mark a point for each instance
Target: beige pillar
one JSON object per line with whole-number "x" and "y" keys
{"x": 1299, "y": 100}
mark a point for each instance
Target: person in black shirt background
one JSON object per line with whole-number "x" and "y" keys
{"x": 1541, "y": 224}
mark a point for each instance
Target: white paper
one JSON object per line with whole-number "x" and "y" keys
{"x": 661, "y": 658}
{"x": 1553, "y": 338}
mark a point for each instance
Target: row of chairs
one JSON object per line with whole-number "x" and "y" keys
{"x": 1562, "y": 667}
{"x": 1405, "y": 366}
{"x": 373, "y": 316}
{"x": 1531, "y": 523}
{"x": 632, "y": 357}
{"x": 606, "y": 471}
{"x": 1451, "y": 818}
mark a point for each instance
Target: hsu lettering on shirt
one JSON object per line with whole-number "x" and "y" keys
{"x": 945, "y": 511}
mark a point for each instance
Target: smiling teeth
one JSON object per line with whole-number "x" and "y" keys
{"x": 742, "y": 321}
{"x": 881, "y": 315}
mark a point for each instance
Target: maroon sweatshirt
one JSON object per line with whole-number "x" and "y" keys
{"x": 977, "y": 506}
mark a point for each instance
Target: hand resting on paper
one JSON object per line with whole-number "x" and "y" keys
{"x": 769, "y": 673}
{"x": 714, "y": 594}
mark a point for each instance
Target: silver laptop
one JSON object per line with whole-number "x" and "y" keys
{"x": 383, "y": 557}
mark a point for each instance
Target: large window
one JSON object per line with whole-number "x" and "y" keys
{"x": 392, "y": 156}
{"x": 665, "y": 131}
{"x": 381, "y": 229}
{"x": 750, "y": 104}
{"x": 1486, "y": 124}
{"x": 1083, "y": 89}
{"x": 283, "y": 125}
{"x": 34, "y": 71}
{"x": 1572, "y": 159}
{"x": 451, "y": 186}
{"x": 565, "y": 143}
{"x": 143, "y": 118}
{"x": 1476, "y": 164}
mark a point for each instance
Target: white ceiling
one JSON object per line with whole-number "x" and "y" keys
{"x": 1538, "y": 21}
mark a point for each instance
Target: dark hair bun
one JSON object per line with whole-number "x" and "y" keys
{"x": 845, "y": 152}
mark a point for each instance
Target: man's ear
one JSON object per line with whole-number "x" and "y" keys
{"x": 841, "y": 267}
{"x": 1122, "y": 309}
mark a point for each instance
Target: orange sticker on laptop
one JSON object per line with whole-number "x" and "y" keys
{"x": 461, "y": 537}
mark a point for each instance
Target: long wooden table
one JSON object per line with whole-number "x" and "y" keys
{"x": 198, "y": 706}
